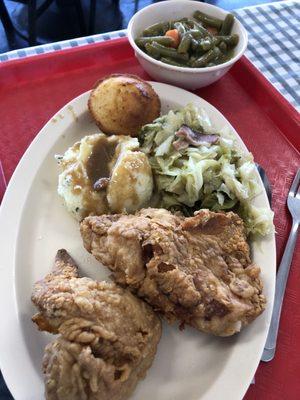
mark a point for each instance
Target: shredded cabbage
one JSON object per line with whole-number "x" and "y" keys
{"x": 258, "y": 221}
{"x": 217, "y": 176}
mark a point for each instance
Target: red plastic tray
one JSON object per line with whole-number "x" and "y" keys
{"x": 34, "y": 88}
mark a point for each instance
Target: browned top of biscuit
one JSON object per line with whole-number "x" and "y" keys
{"x": 121, "y": 104}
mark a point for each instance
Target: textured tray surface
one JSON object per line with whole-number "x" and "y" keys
{"x": 33, "y": 89}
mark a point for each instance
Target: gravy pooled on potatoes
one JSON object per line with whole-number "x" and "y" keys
{"x": 102, "y": 174}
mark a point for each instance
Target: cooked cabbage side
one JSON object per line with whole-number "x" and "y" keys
{"x": 217, "y": 176}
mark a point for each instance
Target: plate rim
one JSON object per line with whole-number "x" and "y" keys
{"x": 9, "y": 229}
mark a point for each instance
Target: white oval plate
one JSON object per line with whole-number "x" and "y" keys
{"x": 34, "y": 225}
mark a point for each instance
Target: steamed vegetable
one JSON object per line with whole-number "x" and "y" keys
{"x": 195, "y": 167}
{"x": 204, "y": 41}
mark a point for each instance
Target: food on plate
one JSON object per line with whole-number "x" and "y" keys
{"x": 197, "y": 166}
{"x": 194, "y": 166}
{"x": 122, "y": 104}
{"x": 131, "y": 183}
{"x": 107, "y": 337}
{"x": 197, "y": 270}
{"x": 102, "y": 174}
{"x": 204, "y": 41}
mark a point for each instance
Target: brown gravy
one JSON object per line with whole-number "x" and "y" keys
{"x": 97, "y": 165}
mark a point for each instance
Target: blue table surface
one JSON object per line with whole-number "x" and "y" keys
{"x": 4, "y": 392}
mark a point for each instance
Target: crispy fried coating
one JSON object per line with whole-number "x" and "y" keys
{"x": 196, "y": 270}
{"x": 107, "y": 337}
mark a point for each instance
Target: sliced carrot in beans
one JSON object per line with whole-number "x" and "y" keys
{"x": 212, "y": 30}
{"x": 174, "y": 34}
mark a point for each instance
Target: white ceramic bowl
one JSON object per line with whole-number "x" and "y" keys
{"x": 188, "y": 78}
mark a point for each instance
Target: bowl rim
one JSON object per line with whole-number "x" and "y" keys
{"x": 243, "y": 37}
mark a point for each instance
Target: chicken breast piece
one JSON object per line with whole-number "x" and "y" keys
{"x": 196, "y": 270}
{"x": 107, "y": 337}
{"x": 122, "y": 104}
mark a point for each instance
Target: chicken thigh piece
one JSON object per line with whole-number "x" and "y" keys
{"x": 107, "y": 337}
{"x": 196, "y": 270}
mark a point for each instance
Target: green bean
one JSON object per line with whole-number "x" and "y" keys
{"x": 222, "y": 58}
{"x": 197, "y": 47}
{"x": 157, "y": 29}
{"x": 223, "y": 47}
{"x": 231, "y": 40}
{"x": 205, "y": 44}
{"x": 192, "y": 61}
{"x": 164, "y": 40}
{"x": 172, "y": 23}
{"x": 152, "y": 51}
{"x": 166, "y": 51}
{"x": 208, "y": 20}
{"x": 227, "y": 56}
{"x": 227, "y": 25}
{"x": 207, "y": 58}
{"x": 195, "y": 26}
{"x": 196, "y": 34}
{"x": 201, "y": 29}
{"x": 194, "y": 44}
{"x": 216, "y": 40}
{"x": 200, "y": 46}
{"x": 179, "y": 26}
{"x": 173, "y": 62}
{"x": 189, "y": 23}
{"x": 186, "y": 27}
{"x": 184, "y": 44}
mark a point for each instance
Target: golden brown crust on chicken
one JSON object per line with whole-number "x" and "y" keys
{"x": 122, "y": 104}
{"x": 108, "y": 337}
{"x": 197, "y": 270}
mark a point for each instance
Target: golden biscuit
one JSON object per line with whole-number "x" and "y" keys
{"x": 122, "y": 104}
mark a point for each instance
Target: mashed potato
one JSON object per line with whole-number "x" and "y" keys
{"x": 131, "y": 183}
{"x": 102, "y": 174}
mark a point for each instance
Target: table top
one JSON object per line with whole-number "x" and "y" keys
{"x": 274, "y": 45}
{"x": 264, "y": 119}
{"x": 274, "y": 48}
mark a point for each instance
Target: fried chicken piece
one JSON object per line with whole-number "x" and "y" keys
{"x": 108, "y": 337}
{"x": 197, "y": 270}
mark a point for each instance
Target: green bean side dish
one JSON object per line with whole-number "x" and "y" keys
{"x": 201, "y": 42}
